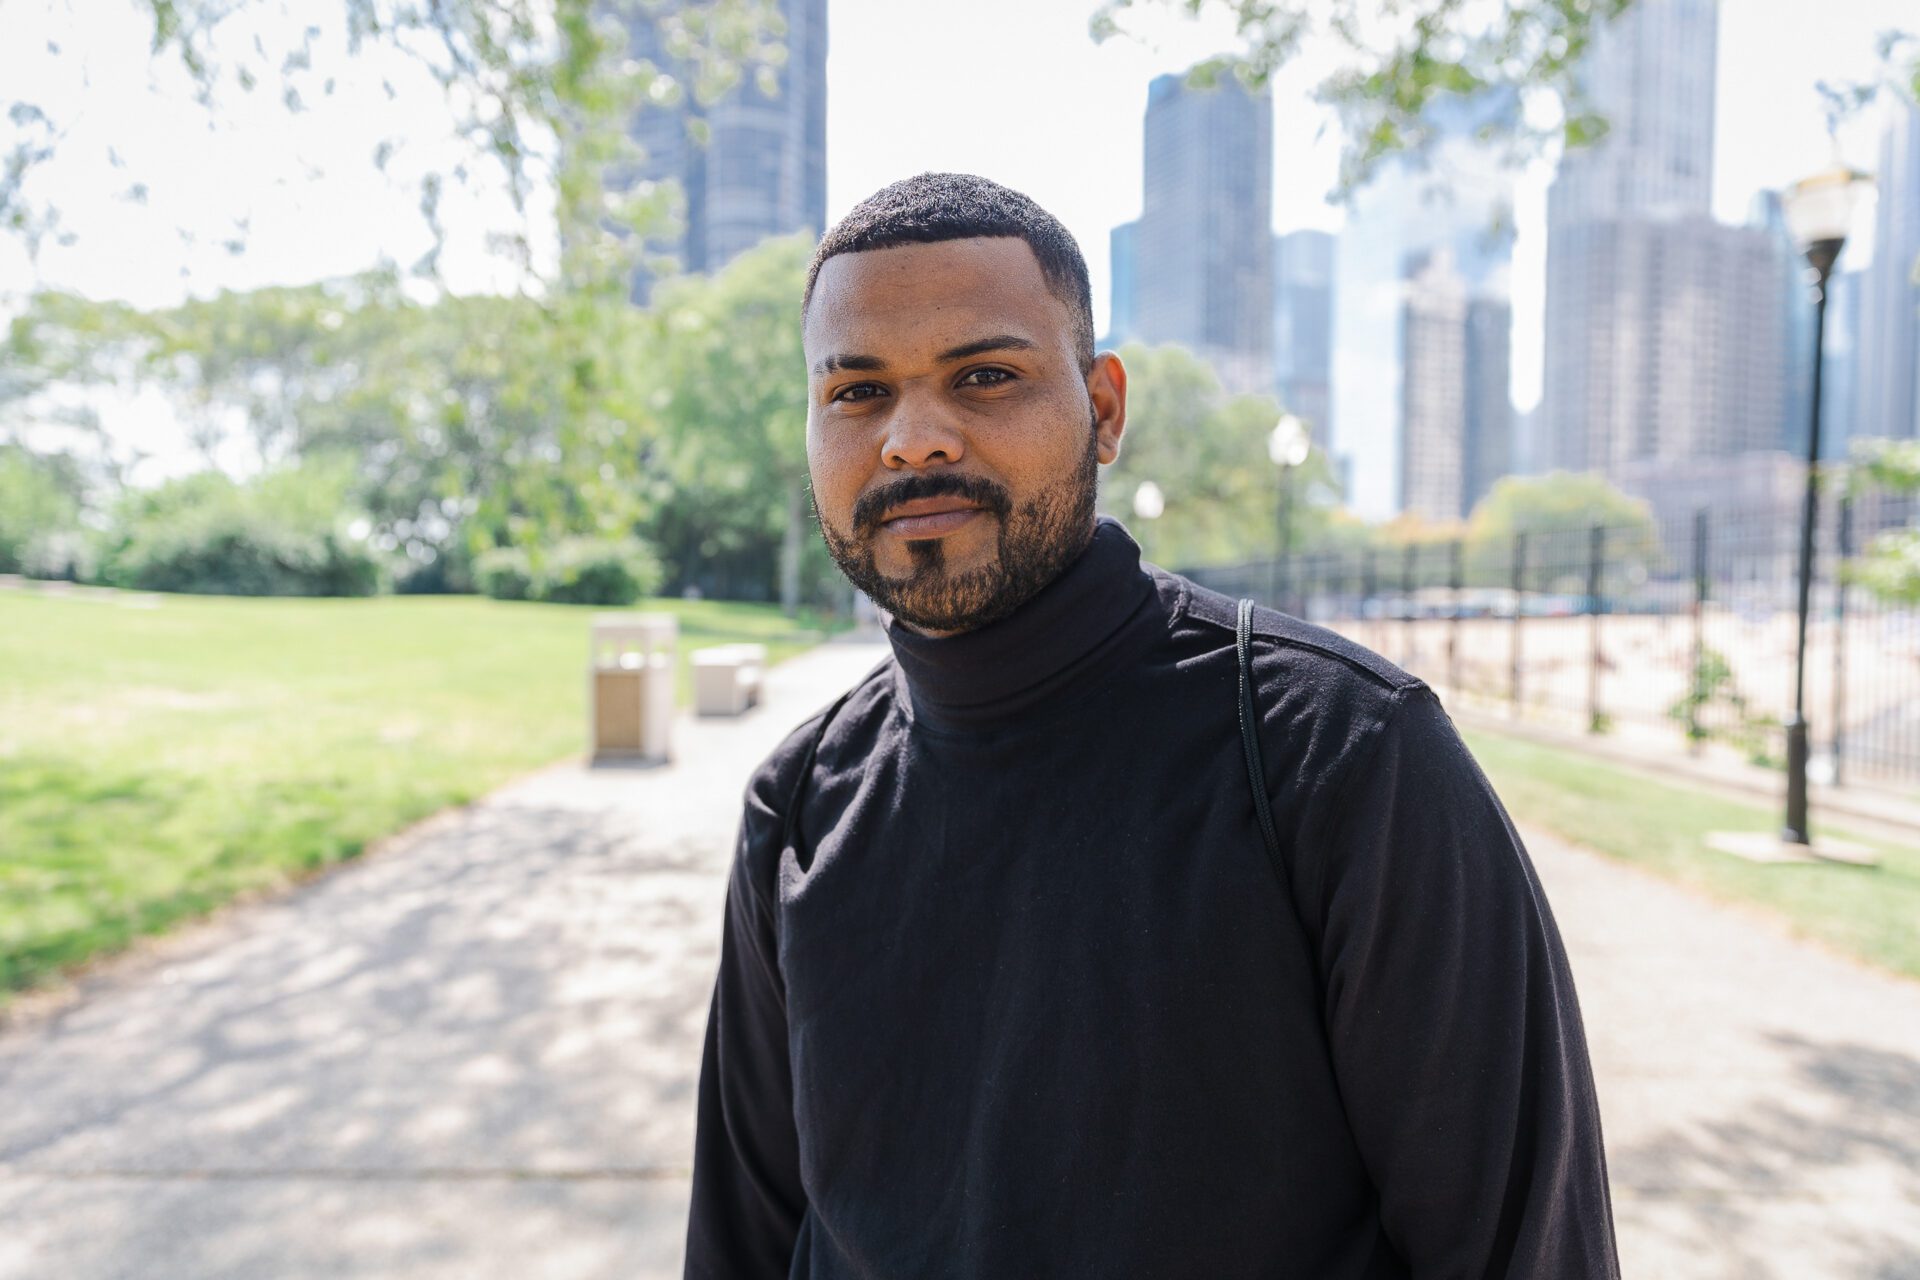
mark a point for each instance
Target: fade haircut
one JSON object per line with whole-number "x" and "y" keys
{"x": 960, "y": 206}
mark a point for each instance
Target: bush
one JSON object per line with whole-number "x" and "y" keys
{"x": 595, "y": 571}
{"x": 574, "y": 571}
{"x": 504, "y": 573}
{"x": 206, "y": 535}
{"x": 39, "y": 515}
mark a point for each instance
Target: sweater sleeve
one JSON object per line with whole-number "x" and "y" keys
{"x": 747, "y": 1197}
{"x": 1451, "y": 1015}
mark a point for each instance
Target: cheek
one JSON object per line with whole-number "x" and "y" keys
{"x": 836, "y": 471}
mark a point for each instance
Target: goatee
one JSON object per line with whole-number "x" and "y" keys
{"x": 1036, "y": 541}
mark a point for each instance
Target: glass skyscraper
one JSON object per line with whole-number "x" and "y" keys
{"x": 762, "y": 169}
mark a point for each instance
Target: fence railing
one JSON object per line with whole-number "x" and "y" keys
{"x": 1684, "y": 632}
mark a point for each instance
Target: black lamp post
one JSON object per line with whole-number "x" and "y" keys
{"x": 1288, "y": 447}
{"x": 1819, "y": 211}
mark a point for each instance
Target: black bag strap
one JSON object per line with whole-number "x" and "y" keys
{"x": 1250, "y": 739}
{"x": 790, "y": 827}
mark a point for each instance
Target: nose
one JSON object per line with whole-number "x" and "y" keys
{"x": 919, "y": 436}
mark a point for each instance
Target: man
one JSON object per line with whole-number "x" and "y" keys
{"x": 1009, "y": 986}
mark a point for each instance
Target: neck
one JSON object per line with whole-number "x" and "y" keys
{"x": 1000, "y": 669}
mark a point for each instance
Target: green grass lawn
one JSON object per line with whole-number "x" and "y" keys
{"x": 155, "y": 761}
{"x": 1873, "y": 914}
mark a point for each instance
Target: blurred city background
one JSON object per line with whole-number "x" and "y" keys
{"x": 1567, "y": 353}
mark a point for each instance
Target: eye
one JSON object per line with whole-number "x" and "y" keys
{"x": 857, "y": 392}
{"x": 985, "y": 377}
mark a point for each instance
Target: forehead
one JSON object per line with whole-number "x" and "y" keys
{"x": 916, "y": 296}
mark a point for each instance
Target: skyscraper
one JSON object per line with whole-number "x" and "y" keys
{"x": 762, "y": 170}
{"x": 1651, "y": 74}
{"x": 1123, "y": 259}
{"x": 1888, "y": 391}
{"x": 1303, "y": 287}
{"x": 1456, "y": 413}
{"x": 1460, "y": 200}
{"x": 1202, "y": 272}
{"x": 1667, "y": 333}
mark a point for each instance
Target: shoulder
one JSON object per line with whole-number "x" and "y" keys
{"x": 1336, "y": 664}
{"x": 1324, "y": 702}
{"x": 775, "y": 785}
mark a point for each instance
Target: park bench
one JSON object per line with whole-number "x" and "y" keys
{"x": 727, "y": 678}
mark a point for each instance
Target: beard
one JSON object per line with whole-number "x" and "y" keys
{"x": 1036, "y": 541}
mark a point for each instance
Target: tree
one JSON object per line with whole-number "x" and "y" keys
{"x": 539, "y": 94}
{"x": 1557, "y": 513}
{"x": 729, "y": 385}
{"x": 1206, "y": 453}
{"x": 39, "y": 511}
{"x": 1889, "y": 567}
{"x": 466, "y": 422}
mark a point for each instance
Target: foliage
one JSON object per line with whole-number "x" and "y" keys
{"x": 539, "y": 95}
{"x": 205, "y": 534}
{"x": 467, "y": 422}
{"x": 599, "y": 571}
{"x": 39, "y": 513}
{"x": 1557, "y": 513}
{"x": 1397, "y": 62}
{"x": 1889, "y": 567}
{"x": 729, "y": 388}
{"x": 505, "y": 573}
{"x": 1714, "y": 688}
{"x": 1206, "y": 451}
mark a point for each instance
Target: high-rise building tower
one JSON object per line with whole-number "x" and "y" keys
{"x": 1458, "y": 200}
{"x": 1123, "y": 258}
{"x": 762, "y": 170}
{"x": 1650, "y": 72}
{"x": 1667, "y": 333}
{"x": 1202, "y": 274}
{"x": 1887, "y": 395}
{"x": 1456, "y": 413}
{"x": 1303, "y": 324}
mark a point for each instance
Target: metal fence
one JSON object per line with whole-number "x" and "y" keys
{"x": 1679, "y": 634}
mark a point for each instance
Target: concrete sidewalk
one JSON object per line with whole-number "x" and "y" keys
{"x": 472, "y": 1055}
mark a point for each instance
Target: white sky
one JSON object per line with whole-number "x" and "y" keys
{"x": 1013, "y": 89}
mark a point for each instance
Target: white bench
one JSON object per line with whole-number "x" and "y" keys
{"x": 727, "y": 678}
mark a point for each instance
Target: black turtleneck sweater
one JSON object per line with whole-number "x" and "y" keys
{"x": 1010, "y": 988}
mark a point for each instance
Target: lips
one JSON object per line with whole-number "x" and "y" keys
{"x": 928, "y": 507}
{"x": 929, "y": 517}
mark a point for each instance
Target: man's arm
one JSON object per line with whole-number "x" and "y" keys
{"x": 1451, "y": 1013}
{"x": 747, "y": 1198}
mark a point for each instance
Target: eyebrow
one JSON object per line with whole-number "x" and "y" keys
{"x": 979, "y": 346}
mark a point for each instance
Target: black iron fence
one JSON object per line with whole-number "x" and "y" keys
{"x": 1675, "y": 633}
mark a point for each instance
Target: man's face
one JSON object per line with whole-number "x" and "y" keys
{"x": 952, "y": 437}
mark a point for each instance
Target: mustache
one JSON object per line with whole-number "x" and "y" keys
{"x": 875, "y": 503}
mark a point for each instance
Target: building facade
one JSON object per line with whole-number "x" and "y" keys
{"x": 1458, "y": 200}
{"x": 1887, "y": 394}
{"x": 1669, "y": 346}
{"x": 762, "y": 168}
{"x": 1456, "y": 410}
{"x": 1303, "y": 287}
{"x": 1200, "y": 264}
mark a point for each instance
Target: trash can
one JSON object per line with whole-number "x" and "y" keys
{"x": 630, "y": 685}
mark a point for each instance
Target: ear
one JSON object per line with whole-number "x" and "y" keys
{"x": 1107, "y": 390}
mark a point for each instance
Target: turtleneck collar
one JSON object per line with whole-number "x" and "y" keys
{"x": 1064, "y": 631}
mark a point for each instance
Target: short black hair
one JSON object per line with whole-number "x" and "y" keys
{"x": 933, "y": 207}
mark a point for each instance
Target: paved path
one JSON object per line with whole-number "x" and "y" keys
{"x": 471, "y": 1054}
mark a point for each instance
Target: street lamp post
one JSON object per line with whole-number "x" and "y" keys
{"x": 1288, "y": 447}
{"x": 1819, "y": 210}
